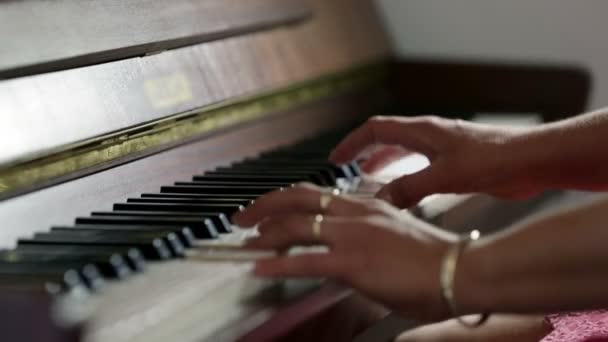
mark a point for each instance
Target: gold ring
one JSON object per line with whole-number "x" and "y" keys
{"x": 326, "y": 198}
{"x": 316, "y": 226}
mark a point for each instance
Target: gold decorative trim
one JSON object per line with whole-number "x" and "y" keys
{"x": 54, "y": 165}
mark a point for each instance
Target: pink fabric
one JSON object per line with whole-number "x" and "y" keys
{"x": 585, "y": 326}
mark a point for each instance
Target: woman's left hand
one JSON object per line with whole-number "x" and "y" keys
{"x": 386, "y": 254}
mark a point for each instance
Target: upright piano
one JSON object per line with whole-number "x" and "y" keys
{"x": 130, "y": 131}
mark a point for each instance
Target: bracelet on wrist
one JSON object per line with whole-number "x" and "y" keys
{"x": 448, "y": 274}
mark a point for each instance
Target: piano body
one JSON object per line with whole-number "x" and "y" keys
{"x": 130, "y": 131}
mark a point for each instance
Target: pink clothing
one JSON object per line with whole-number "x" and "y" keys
{"x": 584, "y": 326}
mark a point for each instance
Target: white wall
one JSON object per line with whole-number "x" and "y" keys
{"x": 573, "y": 31}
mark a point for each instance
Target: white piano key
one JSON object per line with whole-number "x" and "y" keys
{"x": 233, "y": 254}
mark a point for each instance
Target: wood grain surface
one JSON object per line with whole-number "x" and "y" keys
{"x": 42, "y": 36}
{"x": 51, "y": 110}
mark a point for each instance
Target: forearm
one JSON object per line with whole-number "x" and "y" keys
{"x": 555, "y": 263}
{"x": 567, "y": 154}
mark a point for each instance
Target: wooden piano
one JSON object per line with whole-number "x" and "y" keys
{"x": 130, "y": 131}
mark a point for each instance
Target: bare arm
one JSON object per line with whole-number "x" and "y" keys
{"x": 555, "y": 263}
{"x": 571, "y": 153}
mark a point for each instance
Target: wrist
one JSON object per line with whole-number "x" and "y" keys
{"x": 526, "y": 161}
{"x": 474, "y": 280}
{"x": 554, "y": 156}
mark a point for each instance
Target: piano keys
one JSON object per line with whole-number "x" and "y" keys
{"x": 152, "y": 224}
{"x": 131, "y": 255}
{"x": 112, "y": 265}
{"x": 161, "y": 231}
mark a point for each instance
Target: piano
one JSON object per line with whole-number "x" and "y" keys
{"x": 131, "y": 131}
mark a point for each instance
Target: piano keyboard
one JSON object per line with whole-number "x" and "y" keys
{"x": 156, "y": 256}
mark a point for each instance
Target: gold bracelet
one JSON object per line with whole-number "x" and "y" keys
{"x": 447, "y": 275}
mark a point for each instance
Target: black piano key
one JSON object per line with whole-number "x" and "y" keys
{"x": 202, "y": 196}
{"x": 111, "y": 265}
{"x": 55, "y": 283}
{"x": 58, "y": 269}
{"x": 328, "y": 169}
{"x": 171, "y": 239}
{"x": 210, "y": 189}
{"x": 344, "y": 171}
{"x": 356, "y": 170}
{"x": 202, "y": 229}
{"x": 269, "y": 184}
{"x": 268, "y": 170}
{"x": 226, "y": 209}
{"x": 250, "y": 178}
{"x": 293, "y": 158}
{"x": 154, "y": 249}
{"x": 184, "y": 233}
{"x": 291, "y": 155}
{"x": 287, "y": 162}
{"x": 313, "y": 175}
{"x": 219, "y": 220}
{"x": 239, "y": 201}
{"x": 328, "y": 173}
{"x": 297, "y": 153}
{"x": 133, "y": 256}
{"x": 325, "y": 166}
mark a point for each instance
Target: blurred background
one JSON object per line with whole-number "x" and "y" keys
{"x": 537, "y": 31}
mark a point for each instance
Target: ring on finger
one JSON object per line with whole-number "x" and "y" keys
{"x": 327, "y": 197}
{"x": 316, "y": 226}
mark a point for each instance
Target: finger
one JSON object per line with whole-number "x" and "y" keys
{"x": 280, "y": 233}
{"x": 408, "y": 190}
{"x": 410, "y": 133}
{"x": 303, "y": 199}
{"x": 383, "y": 157}
{"x": 299, "y": 266}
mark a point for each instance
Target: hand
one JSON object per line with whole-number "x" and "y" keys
{"x": 382, "y": 156}
{"x": 465, "y": 157}
{"x": 384, "y": 253}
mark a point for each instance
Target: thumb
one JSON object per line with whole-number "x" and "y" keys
{"x": 408, "y": 190}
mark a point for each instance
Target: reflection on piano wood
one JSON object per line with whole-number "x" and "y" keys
{"x": 122, "y": 161}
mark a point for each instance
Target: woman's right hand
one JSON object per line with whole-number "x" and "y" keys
{"x": 464, "y": 157}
